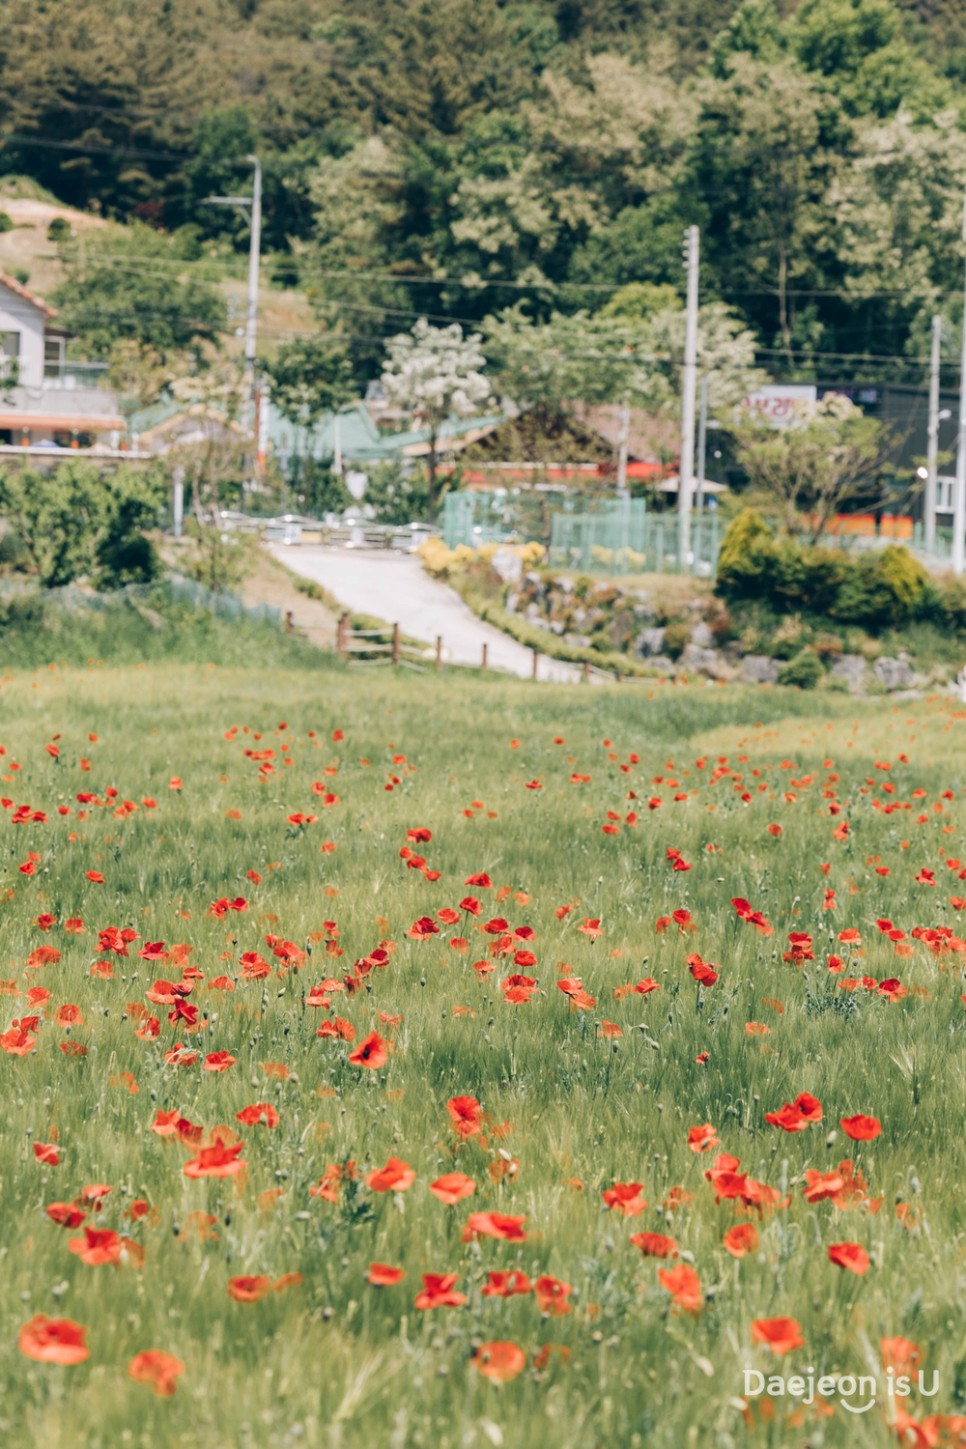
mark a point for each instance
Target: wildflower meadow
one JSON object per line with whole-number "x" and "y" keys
{"x": 445, "y": 1061}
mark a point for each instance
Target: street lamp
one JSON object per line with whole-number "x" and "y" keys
{"x": 251, "y": 209}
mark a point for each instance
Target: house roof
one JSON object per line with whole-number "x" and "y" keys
{"x": 21, "y": 291}
{"x": 360, "y": 441}
{"x": 16, "y": 419}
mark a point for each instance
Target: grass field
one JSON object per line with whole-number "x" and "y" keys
{"x": 259, "y": 831}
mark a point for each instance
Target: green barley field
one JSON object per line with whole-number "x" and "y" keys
{"x": 386, "y": 1061}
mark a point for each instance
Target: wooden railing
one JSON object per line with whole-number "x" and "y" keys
{"x": 388, "y": 646}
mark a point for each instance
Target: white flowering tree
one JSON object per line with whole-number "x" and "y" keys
{"x": 436, "y": 373}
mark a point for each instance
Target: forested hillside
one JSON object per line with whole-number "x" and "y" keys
{"x": 457, "y": 157}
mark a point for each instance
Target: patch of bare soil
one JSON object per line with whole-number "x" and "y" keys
{"x": 269, "y": 582}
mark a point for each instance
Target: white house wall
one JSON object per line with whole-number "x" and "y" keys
{"x": 17, "y": 315}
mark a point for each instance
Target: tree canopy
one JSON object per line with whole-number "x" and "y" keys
{"x": 458, "y": 158}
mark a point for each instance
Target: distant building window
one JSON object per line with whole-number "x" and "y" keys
{"x": 9, "y": 352}
{"x": 53, "y": 356}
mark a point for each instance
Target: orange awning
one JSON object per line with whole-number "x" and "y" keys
{"x": 35, "y": 422}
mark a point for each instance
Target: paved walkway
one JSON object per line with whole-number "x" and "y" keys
{"x": 395, "y": 587}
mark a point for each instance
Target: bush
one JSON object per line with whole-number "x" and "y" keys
{"x": 805, "y": 670}
{"x": 945, "y": 603}
{"x": 677, "y": 637}
{"x": 14, "y": 558}
{"x": 80, "y": 522}
{"x": 6, "y": 221}
{"x": 882, "y": 588}
{"x": 877, "y": 589}
{"x": 745, "y": 557}
{"x": 59, "y": 230}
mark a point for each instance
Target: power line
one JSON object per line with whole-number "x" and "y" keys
{"x": 115, "y": 149}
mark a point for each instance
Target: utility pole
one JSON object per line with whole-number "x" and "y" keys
{"x": 929, "y": 505}
{"x": 959, "y": 509}
{"x": 251, "y": 209}
{"x": 702, "y": 444}
{"x": 622, "y": 493}
{"x": 622, "y": 444}
{"x": 686, "y": 471}
{"x": 254, "y": 257}
{"x": 177, "y": 501}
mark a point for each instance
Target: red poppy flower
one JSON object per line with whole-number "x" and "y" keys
{"x": 625, "y": 1197}
{"x": 466, "y": 1115}
{"x": 249, "y": 1289}
{"x": 396, "y": 1176}
{"x": 219, "y": 1160}
{"x": 900, "y": 1355}
{"x": 860, "y": 1128}
{"x": 218, "y": 1061}
{"x": 46, "y": 1153}
{"x": 704, "y": 974}
{"x": 452, "y": 1188}
{"x": 97, "y": 1246}
{"x": 54, "y": 1340}
{"x": 372, "y": 1053}
{"x": 851, "y": 1256}
{"x": 494, "y": 1225}
{"x": 17, "y": 1042}
{"x": 781, "y": 1335}
{"x": 573, "y": 987}
{"x": 703, "y": 1138}
{"x": 796, "y": 1116}
{"x": 741, "y": 1239}
{"x": 552, "y": 1295}
{"x": 499, "y": 1361}
{"x": 655, "y": 1245}
{"x": 381, "y": 1275}
{"x": 684, "y": 1286}
{"x": 65, "y": 1214}
{"x": 506, "y": 1285}
{"x": 438, "y": 1291}
{"x": 154, "y": 1366}
{"x": 263, "y": 1112}
{"x": 424, "y": 927}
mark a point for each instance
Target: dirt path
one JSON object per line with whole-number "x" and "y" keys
{"x": 267, "y": 583}
{"x": 395, "y": 588}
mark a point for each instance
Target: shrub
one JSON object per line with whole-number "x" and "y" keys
{"x": 677, "y": 637}
{"x": 59, "y": 230}
{"x": 79, "y": 522}
{"x": 805, "y": 670}
{"x": 719, "y": 621}
{"x": 745, "y": 558}
{"x": 945, "y": 603}
{"x": 881, "y": 588}
{"x": 13, "y": 556}
{"x": 6, "y": 221}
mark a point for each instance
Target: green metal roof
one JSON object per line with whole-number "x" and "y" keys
{"x": 360, "y": 439}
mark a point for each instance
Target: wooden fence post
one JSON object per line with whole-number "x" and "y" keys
{"x": 395, "y": 643}
{"x": 341, "y": 635}
{"x": 585, "y": 672}
{"x": 439, "y": 651}
{"x": 289, "y": 621}
{"x": 486, "y": 658}
{"x": 533, "y": 670}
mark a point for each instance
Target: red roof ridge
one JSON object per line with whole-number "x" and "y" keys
{"x": 28, "y": 296}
